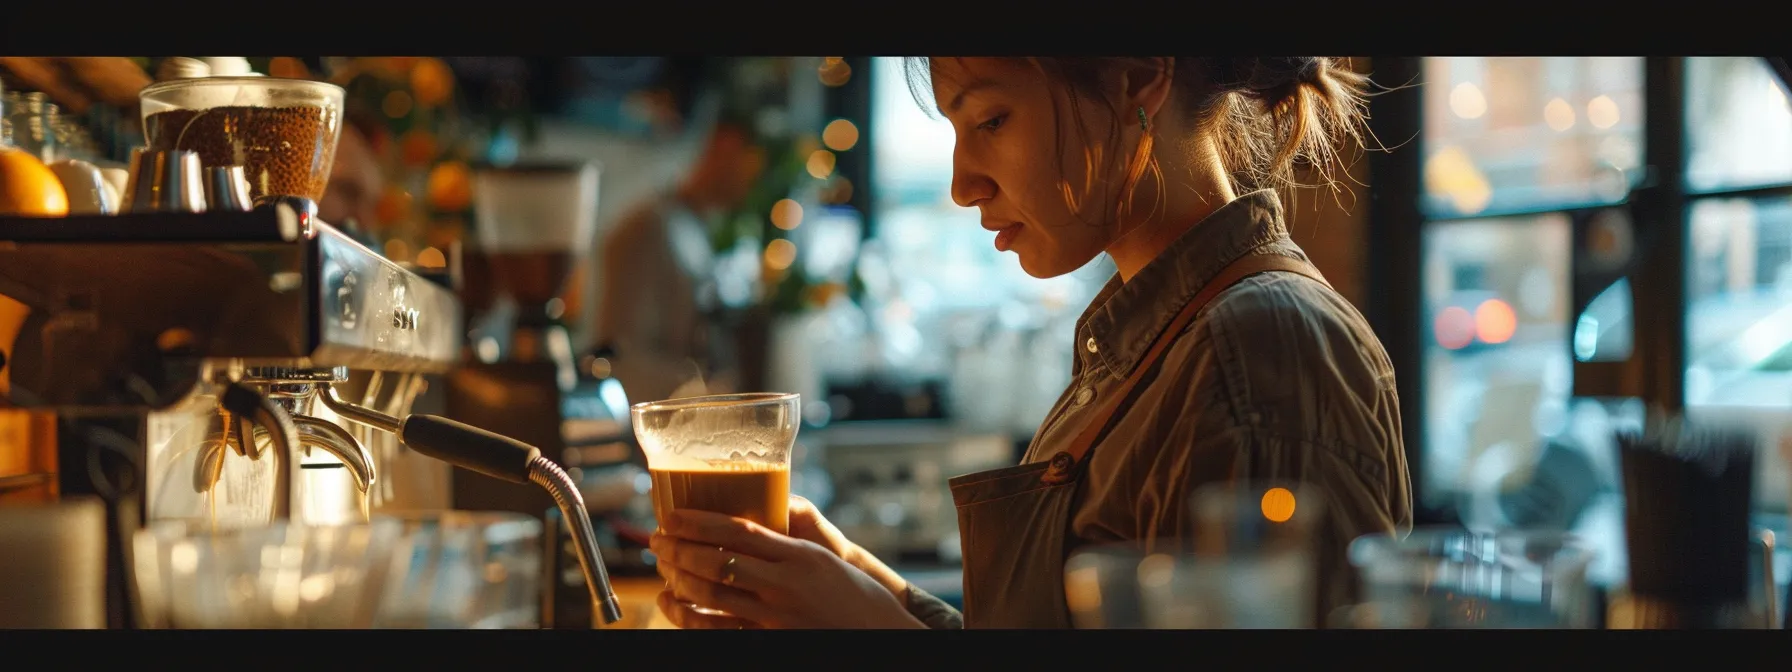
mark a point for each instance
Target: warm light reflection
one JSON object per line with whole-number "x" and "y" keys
{"x": 1467, "y": 101}
{"x": 1278, "y": 505}
{"x": 183, "y": 557}
{"x": 287, "y": 67}
{"x": 840, "y": 192}
{"x": 432, "y": 258}
{"x": 787, "y": 214}
{"x": 397, "y": 104}
{"x": 1602, "y": 112}
{"x": 1454, "y": 328}
{"x": 821, "y": 164}
{"x": 432, "y": 81}
{"x": 840, "y": 135}
{"x": 397, "y": 250}
{"x": 1083, "y": 589}
{"x": 1453, "y": 173}
{"x": 450, "y": 186}
{"x": 1495, "y": 321}
{"x": 835, "y": 72}
{"x": 1559, "y": 115}
{"x": 780, "y": 254}
{"x": 1156, "y": 570}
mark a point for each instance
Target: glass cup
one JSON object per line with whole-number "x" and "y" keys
{"x": 727, "y": 454}
{"x": 1101, "y": 586}
{"x": 463, "y": 570}
{"x": 280, "y": 575}
{"x": 1448, "y": 578}
{"x": 1246, "y": 561}
{"x": 1252, "y": 564}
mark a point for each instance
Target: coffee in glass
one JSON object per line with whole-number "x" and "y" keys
{"x": 727, "y": 454}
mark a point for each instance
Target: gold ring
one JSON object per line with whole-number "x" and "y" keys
{"x": 728, "y": 571}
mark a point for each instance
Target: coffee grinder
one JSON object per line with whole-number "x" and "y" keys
{"x": 534, "y": 224}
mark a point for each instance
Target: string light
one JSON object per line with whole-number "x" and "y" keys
{"x": 780, "y": 254}
{"x": 1467, "y": 101}
{"x": 1602, "y": 112}
{"x": 840, "y": 135}
{"x": 1559, "y": 115}
{"x": 787, "y": 214}
{"x": 835, "y": 72}
{"x": 1278, "y": 505}
{"x": 821, "y": 164}
{"x": 431, "y": 257}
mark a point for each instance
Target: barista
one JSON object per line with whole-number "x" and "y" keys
{"x": 658, "y": 275}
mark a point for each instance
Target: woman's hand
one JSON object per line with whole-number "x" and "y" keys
{"x": 766, "y": 579}
{"x": 807, "y": 524}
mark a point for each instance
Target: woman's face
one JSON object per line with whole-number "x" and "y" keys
{"x": 1018, "y": 149}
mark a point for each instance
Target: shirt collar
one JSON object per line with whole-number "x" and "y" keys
{"x": 1120, "y": 324}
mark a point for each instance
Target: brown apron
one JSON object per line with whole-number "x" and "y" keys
{"x": 1013, "y": 522}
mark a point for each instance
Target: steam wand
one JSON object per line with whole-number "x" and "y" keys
{"x": 500, "y": 457}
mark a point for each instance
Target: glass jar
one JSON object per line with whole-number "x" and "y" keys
{"x": 283, "y": 132}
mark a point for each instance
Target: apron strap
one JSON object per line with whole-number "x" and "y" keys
{"x": 1062, "y": 464}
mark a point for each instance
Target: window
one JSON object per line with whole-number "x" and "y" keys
{"x": 1519, "y": 154}
{"x": 1515, "y": 149}
{"x": 948, "y": 304}
{"x": 1523, "y": 134}
{"x": 1739, "y": 256}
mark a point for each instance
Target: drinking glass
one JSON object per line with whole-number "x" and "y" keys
{"x": 463, "y": 569}
{"x": 1454, "y": 578}
{"x": 727, "y": 454}
{"x": 1101, "y": 585}
{"x": 1252, "y": 564}
{"x": 279, "y": 575}
{"x": 1245, "y": 561}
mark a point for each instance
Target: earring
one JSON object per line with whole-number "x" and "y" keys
{"x": 1143, "y": 124}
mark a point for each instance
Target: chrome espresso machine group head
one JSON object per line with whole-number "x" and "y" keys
{"x": 197, "y": 363}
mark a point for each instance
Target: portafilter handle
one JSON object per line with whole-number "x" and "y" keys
{"x": 499, "y": 457}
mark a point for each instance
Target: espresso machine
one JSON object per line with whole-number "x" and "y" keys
{"x": 219, "y": 354}
{"x": 521, "y": 376}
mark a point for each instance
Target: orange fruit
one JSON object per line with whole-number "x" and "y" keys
{"x": 432, "y": 82}
{"x": 450, "y": 187}
{"x": 28, "y": 188}
{"x": 394, "y": 206}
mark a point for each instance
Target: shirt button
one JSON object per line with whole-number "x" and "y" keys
{"x": 1091, "y": 346}
{"x": 1084, "y": 395}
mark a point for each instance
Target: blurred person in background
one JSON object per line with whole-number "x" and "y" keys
{"x": 658, "y": 275}
{"x": 1217, "y": 354}
{"x": 351, "y": 201}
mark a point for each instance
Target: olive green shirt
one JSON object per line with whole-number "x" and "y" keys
{"x": 1278, "y": 378}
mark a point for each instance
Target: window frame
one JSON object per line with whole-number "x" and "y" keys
{"x": 1660, "y": 207}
